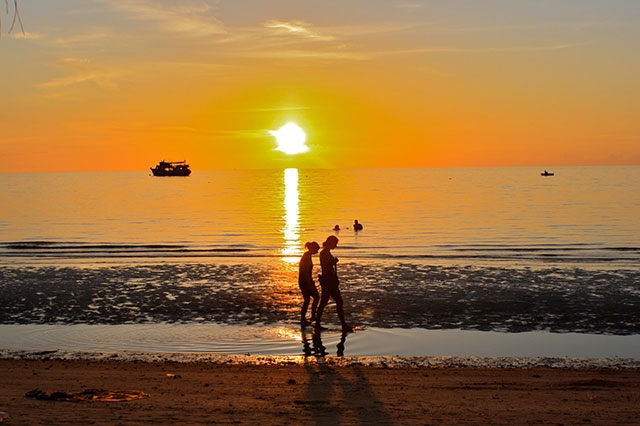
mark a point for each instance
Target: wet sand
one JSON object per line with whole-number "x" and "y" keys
{"x": 217, "y": 389}
{"x": 394, "y": 295}
{"x": 318, "y": 391}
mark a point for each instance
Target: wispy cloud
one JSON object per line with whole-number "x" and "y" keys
{"x": 272, "y": 109}
{"x": 298, "y": 39}
{"x": 272, "y": 39}
{"x": 92, "y": 37}
{"x": 81, "y": 71}
{"x": 297, "y": 28}
{"x": 409, "y": 5}
{"x": 302, "y": 40}
{"x": 308, "y": 54}
{"x": 189, "y": 18}
{"x": 141, "y": 127}
{"x": 24, "y": 35}
{"x": 487, "y": 49}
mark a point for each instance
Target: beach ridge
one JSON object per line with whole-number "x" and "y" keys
{"x": 338, "y": 361}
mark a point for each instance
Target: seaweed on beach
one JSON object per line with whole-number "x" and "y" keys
{"x": 88, "y": 395}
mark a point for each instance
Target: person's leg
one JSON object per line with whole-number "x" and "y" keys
{"x": 340, "y": 308}
{"x": 305, "y": 306}
{"x": 314, "y": 305}
{"x": 324, "y": 299}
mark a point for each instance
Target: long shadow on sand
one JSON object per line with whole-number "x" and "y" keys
{"x": 340, "y": 396}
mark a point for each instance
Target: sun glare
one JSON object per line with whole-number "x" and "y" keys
{"x": 290, "y": 138}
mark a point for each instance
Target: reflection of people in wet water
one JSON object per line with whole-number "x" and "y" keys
{"x": 357, "y": 226}
{"x": 329, "y": 283}
{"x": 317, "y": 348}
{"x": 306, "y": 283}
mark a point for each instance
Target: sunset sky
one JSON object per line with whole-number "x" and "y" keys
{"x": 121, "y": 84}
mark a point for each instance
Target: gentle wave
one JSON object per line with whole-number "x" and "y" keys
{"x": 578, "y": 253}
{"x": 45, "y": 247}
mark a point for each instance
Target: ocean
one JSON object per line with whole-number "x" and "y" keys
{"x": 124, "y": 261}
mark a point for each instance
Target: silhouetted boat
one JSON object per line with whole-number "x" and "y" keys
{"x": 546, "y": 173}
{"x": 171, "y": 168}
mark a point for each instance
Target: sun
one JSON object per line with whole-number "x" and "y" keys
{"x": 291, "y": 139}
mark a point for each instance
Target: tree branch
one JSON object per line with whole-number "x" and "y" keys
{"x": 16, "y": 17}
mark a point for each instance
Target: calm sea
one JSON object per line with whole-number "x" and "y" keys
{"x": 583, "y": 215}
{"x": 480, "y": 249}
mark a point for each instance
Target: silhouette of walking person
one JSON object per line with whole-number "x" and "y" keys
{"x": 330, "y": 284}
{"x": 306, "y": 283}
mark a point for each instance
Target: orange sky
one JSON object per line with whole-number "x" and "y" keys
{"x": 120, "y": 85}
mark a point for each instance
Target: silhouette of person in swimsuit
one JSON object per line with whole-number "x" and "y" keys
{"x": 306, "y": 283}
{"x": 330, "y": 284}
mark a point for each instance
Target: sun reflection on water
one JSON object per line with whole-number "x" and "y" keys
{"x": 288, "y": 334}
{"x": 291, "y": 250}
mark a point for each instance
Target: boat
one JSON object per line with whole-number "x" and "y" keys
{"x": 171, "y": 168}
{"x": 546, "y": 173}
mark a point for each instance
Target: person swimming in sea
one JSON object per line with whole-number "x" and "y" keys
{"x": 306, "y": 283}
{"x": 357, "y": 226}
{"x": 330, "y": 284}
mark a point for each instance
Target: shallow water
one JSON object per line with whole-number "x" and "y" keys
{"x": 501, "y": 251}
{"x": 290, "y": 340}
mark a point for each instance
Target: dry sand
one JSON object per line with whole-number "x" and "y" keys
{"x": 318, "y": 393}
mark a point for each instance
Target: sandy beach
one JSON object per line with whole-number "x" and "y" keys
{"x": 317, "y": 392}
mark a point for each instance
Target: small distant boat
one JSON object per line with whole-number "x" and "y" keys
{"x": 171, "y": 168}
{"x": 546, "y": 173}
